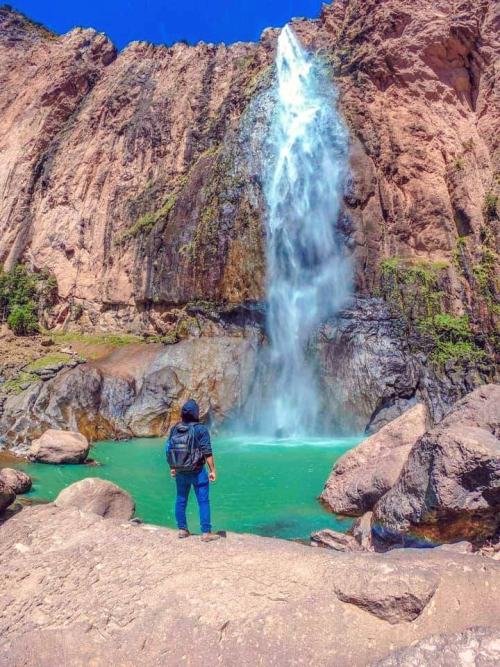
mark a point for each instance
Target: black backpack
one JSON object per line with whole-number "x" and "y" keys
{"x": 184, "y": 454}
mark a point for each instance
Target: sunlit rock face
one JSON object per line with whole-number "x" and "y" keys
{"x": 125, "y": 174}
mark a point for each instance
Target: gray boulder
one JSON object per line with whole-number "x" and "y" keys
{"x": 7, "y": 495}
{"x": 475, "y": 646}
{"x": 19, "y": 481}
{"x": 449, "y": 488}
{"x": 58, "y": 447}
{"x": 98, "y": 496}
{"x": 362, "y": 475}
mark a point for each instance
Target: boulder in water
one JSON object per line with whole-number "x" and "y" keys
{"x": 449, "y": 488}
{"x": 18, "y": 481}
{"x": 7, "y": 495}
{"x": 362, "y": 476}
{"x": 58, "y": 447}
{"x": 98, "y": 496}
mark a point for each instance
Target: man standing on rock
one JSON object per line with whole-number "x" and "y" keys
{"x": 188, "y": 449}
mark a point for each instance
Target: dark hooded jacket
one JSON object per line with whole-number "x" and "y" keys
{"x": 190, "y": 414}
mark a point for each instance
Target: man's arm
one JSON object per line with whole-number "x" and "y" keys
{"x": 212, "y": 475}
{"x": 206, "y": 448}
{"x": 167, "y": 447}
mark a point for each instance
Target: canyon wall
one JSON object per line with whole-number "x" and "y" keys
{"x": 134, "y": 178}
{"x": 125, "y": 174}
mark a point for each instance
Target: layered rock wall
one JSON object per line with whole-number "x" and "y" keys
{"x": 124, "y": 174}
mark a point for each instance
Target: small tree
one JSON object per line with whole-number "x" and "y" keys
{"x": 23, "y": 320}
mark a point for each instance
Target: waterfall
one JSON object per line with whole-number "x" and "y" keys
{"x": 308, "y": 275}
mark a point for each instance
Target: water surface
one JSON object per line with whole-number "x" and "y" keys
{"x": 264, "y": 487}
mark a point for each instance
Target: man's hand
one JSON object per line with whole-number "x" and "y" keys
{"x": 173, "y": 472}
{"x": 212, "y": 475}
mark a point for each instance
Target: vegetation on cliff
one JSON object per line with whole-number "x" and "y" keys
{"x": 419, "y": 292}
{"x": 23, "y": 296}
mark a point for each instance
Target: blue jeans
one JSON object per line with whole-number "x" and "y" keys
{"x": 199, "y": 480}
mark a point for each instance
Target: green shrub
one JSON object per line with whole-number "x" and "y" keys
{"x": 23, "y": 320}
{"x": 18, "y": 287}
{"x": 452, "y": 338}
{"x": 490, "y": 206}
{"x": 415, "y": 290}
{"x": 412, "y": 287}
{"x": 23, "y": 294}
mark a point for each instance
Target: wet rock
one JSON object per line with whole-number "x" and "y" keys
{"x": 136, "y": 390}
{"x": 362, "y": 475}
{"x": 57, "y": 447}
{"x": 98, "y": 496}
{"x": 19, "y": 481}
{"x": 393, "y": 598}
{"x": 474, "y": 646}
{"x": 370, "y": 374}
{"x": 7, "y": 495}
{"x": 449, "y": 488}
{"x": 331, "y": 539}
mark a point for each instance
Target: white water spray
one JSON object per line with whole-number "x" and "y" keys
{"x": 308, "y": 275}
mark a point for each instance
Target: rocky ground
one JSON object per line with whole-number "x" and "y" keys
{"x": 79, "y": 589}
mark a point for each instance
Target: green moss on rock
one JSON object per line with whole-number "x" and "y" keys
{"x": 146, "y": 222}
{"x": 415, "y": 290}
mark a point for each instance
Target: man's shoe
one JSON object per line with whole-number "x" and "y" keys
{"x": 210, "y": 537}
{"x": 183, "y": 532}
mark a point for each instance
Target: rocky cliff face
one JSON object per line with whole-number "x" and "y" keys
{"x": 134, "y": 179}
{"x": 125, "y": 174}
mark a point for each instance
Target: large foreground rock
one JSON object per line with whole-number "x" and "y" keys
{"x": 449, "y": 488}
{"x": 58, "y": 447}
{"x": 361, "y": 476}
{"x": 18, "y": 480}
{"x": 476, "y": 646}
{"x": 80, "y": 590}
{"x": 7, "y": 495}
{"x": 98, "y": 496}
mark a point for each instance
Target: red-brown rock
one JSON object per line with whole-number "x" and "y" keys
{"x": 7, "y": 495}
{"x": 361, "y": 476}
{"x": 449, "y": 488}
{"x": 98, "y": 496}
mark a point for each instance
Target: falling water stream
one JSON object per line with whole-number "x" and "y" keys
{"x": 308, "y": 275}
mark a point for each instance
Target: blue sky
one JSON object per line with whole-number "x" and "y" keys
{"x": 166, "y": 21}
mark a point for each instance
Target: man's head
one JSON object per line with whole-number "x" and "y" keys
{"x": 190, "y": 412}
